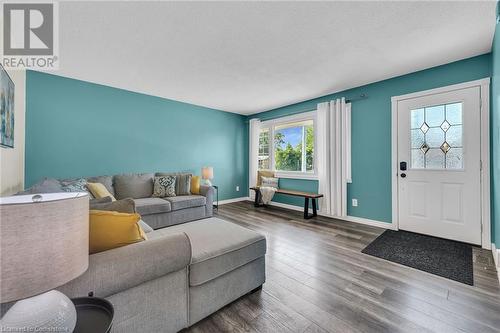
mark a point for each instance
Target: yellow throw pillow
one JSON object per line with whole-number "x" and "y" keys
{"x": 195, "y": 185}
{"x": 109, "y": 230}
{"x": 98, "y": 190}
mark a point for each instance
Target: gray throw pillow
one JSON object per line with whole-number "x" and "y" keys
{"x": 183, "y": 184}
{"x": 120, "y": 206}
{"x": 107, "y": 181}
{"x": 164, "y": 186}
{"x": 48, "y": 185}
{"x": 100, "y": 201}
{"x": 133, "y": 186}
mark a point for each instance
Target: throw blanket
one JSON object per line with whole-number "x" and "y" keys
{"x": 267, "y": 194}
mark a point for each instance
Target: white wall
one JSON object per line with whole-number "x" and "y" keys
{"x": 12, "y": 159}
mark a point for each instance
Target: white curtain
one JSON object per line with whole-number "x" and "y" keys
{"x": 334, "y": 146}
{"x": 323, "y": 149}
{"x": 254, "y": 132}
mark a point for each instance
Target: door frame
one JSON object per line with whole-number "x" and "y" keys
{"x": 484, "y": 85}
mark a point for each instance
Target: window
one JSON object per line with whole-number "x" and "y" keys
{"x": 292, "y": 148}
{"x": 264, "y": 149}
{"x": 436, "y": 137}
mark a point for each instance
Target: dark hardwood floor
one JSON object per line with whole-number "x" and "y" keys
{"x": 319, "y": 281}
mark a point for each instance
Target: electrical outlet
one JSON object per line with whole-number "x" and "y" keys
{"x": 237, "y": 188}
{"x": 355, "y": 202}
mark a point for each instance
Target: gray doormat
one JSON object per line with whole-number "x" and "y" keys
{"x": 446, "y": 258}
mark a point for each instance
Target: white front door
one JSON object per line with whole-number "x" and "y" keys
{"x": 439, "y": 188}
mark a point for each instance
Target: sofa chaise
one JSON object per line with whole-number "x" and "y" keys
{"x": 189, "y": 267}
{"x": 178, "y": 276}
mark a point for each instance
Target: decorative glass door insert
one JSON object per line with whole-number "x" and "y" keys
{"x": 436, "y": 137}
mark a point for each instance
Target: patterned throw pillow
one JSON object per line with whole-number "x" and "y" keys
{"x": 269, "y": 182}
{"x": 182, "y": 181}
{"x": 164, "y": 186}
{"x": 74, "y": 185}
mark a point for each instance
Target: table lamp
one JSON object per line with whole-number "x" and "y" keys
{"x": 44, "y": 243}
{"x": 207, "y": 173}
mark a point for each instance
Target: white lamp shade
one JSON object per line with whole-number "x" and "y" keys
{"x": 44, "y": 244}
{"x": 207, "y": 172}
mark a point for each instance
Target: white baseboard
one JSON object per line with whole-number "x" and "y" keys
{"x": 360, "y": 220}
{"x": 494, "y": 250}
{"x": 223, "y": 202}
{"x": 496, "y": 258}
{"x": 354, "y": 219}
{"x": 373, "y": 223}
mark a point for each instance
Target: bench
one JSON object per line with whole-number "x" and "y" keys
{"x": 305, "y": 195}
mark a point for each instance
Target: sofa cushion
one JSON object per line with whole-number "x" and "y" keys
{"x": 164, "y": 186}
{"x": 74, "y": 185}
{"x": 269, "y": 182}
{"x": 147, "y": 206}
{"x": 183, "y": 184}
{"x": 98, "y": 190}
{"x": 182, "y": 181}
{"x": 195, "y": 184}
{"x": 120, "y": 206}
{"x": 95, "y": 201}
{"x": 187, "y": 201}
{"x": 109, "y": 230}
{"x": 134, "y": 186}
{"x": 48, "y": 185}
{"x": 107, "y": 181}
{"x": 217, "y": 246}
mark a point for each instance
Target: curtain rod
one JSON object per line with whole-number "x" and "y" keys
{"x": 350, "y": 100}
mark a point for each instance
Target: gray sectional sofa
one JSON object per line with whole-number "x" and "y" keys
{"x": 178, "y": 276}
{"x": 182, "y": 273}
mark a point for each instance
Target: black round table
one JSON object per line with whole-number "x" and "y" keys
{"x": 93, "y": 315}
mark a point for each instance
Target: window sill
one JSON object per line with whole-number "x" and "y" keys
{"x": 292, "y": 175}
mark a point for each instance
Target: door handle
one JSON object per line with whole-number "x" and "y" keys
{"x": 403, "y": 175}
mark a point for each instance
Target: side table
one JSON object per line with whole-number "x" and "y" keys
{"x": 93, "y": 315}
{"x": 216, "y": 206}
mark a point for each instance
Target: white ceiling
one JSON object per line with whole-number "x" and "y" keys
{"x": 247, "y": 57}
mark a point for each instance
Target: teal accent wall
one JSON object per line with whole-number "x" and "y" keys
{"x": 495, "y": 137}
{"x": 76, "y": 128}
{"x": 371, "y": 132}
{"x": 298, "y": 185}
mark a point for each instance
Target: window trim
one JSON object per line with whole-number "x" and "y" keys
{"x": 271, "y": 124}
{"x": 269, "y": 146}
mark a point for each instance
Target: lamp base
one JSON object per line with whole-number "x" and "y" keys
{"x": 49, "y": 312}
{"x": 207, "y": 182}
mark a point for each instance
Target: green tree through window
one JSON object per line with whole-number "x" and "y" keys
{"x": 309, "y": 148}
{"x": 288, "y": 148}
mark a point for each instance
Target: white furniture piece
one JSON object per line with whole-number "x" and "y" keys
{"x": 44, "y": 244}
